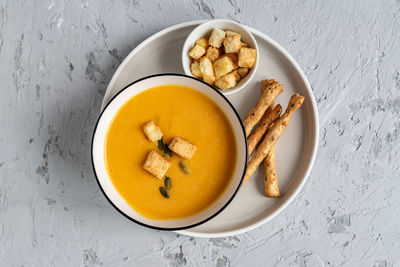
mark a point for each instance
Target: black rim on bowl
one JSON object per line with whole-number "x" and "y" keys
{"x": 172, "y": 228}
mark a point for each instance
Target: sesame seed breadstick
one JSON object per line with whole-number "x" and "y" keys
{"x": 271, "y": 187}
{"x": 269, "y": 91}
{"x": 273, "y": 135}
{"x": 269, "y": 117}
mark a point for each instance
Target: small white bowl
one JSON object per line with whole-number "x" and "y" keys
{"x": 98, "y": 149}
{"x": 204, "y": 30}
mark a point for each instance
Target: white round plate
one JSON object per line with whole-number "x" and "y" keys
{"x": 296, "y": 149}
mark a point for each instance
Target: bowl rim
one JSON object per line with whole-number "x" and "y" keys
{"x": 171, "y": 228}
{"x": 252, "y": 71}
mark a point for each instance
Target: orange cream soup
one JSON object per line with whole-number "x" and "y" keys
{"x": 179, "y": 111}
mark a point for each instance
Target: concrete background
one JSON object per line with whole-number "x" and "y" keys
{"x": 56, "y": 58}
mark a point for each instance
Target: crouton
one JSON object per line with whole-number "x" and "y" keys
{"x": 233, "y": 57}
{"x": 195, "y": 68}
{"x": 242, "y": 72}
{"x": 236, "y": 74}
{"x": 182, "y": 147}
{"x": 203, "y": 42}
{"x": 243, "y": 44}
{"x": 232, "y": 43}
{"x": 247, "y": 57}
{"x": 207, "y": 71}
{"x": 212, "y": 53}
{"x": 227, "y": 81}
{"x": 156, "y": 164}
{"x": 230, "y": 33}
{"x": 223, "y": 65}
{"x": 216, "y": 38}
{"x": 152, "y": 131}
{"x": 197, "y": 52}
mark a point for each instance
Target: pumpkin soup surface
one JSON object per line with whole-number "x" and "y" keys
{"x": 178, "y": 111}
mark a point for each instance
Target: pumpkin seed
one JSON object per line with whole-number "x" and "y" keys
{"x": 183, "y": 167}
{"x": 167, "y": 182}
{"x": 160, "y": 145}
{"x": 164, "y": 192}
{"x": 167, "y": 150}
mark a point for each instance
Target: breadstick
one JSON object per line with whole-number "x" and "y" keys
{"x": 271, "y": 187}
{"x": 269, "y": 117}
{"x": 273, "y": 135}
{"x": 269, "y": 91}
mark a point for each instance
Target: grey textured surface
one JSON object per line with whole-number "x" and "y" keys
{"x": 56, "y": 60}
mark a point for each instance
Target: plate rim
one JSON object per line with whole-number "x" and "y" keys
{"x": 286, "y": 54}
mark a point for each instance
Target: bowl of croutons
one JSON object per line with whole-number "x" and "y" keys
{"x": 223, "y": 53}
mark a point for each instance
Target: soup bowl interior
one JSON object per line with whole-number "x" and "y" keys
{"x": 99, "y": 145}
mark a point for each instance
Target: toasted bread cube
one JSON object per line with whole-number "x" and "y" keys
{"x": 236, "y": 74}
{"x": 247, "y": 57}
{"x": 182, "y": 147}
{"x": 233, "y": 57}
{"x": 223, "y": 65}
{"x": 152, "y": 131}
{"x": 212, "y": 53}
{"x": 242, "y": 72}
{"x": 230, "y": 33}
{"x": 156, "y": 164}
{"x": 216, "y": 38}
{"x": 232, "y": 43}
{"x": 197, "y": 52}
{"x": 195, "y": 68}
{"x": 203, "y": 42}
{"x": 207, "y": 70}
{"x": 227, "y": 81}
{"x": 243, "y": 44}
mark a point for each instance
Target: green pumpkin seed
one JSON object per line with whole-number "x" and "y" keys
{"x": 183, "y": 167}
{"x": 164, "y": 192}
{"x": 167, "y": 182}
{"x": 161, "y": 145}
{"x": 167, "y": 150}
